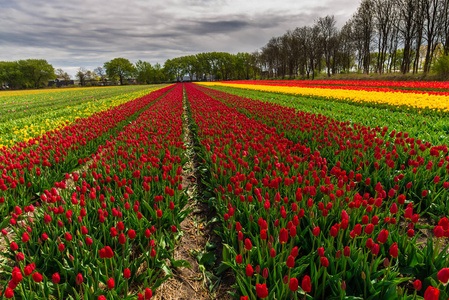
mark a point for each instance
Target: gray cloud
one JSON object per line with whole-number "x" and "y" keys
{"x": 83, "y": 33}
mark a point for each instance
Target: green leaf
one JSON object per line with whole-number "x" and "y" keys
{"x": 181, "y": 264}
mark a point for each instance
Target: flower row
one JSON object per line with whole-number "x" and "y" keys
{"x": 23, "y": 118}
{"x": 294, "y": 215}
{"x": 373, "y": 83}
{"x": 417, "y": 101}
{"x": 111, "y": 224}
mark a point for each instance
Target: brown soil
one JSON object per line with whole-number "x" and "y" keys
{"x": 190, "y": 283}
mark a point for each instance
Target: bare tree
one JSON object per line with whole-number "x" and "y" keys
{"x": 383, "y": 17}
{"x": 328, "y": 32}
{"x": 364, "y": 22}
{"x": 432, "y": 28}
{"x": 63, "y": 75}
{"x": 81, "y": 75}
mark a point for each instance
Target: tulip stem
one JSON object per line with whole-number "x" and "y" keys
{"x": 437, "y": 249}
{"x": 59, "y": 294}
{"x": 106, "y": 267}
{"x": 42, "y": 288}
{"x": 324, "y": 282}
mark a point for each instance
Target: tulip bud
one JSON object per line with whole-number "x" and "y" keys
{"x": 37, "y": 277}
{"x": 343, "y": 285}
{"x": 249, "y": 270}
{"x": 417, "y": 284}
{"x": 320, "y": 251}
{"x": 79, "y": 279}
{"x": 265, "y": 273}
{"x": 148, "y": 294}
{"x": 306, "y": 284}
{"x": 55, "y": 278}
{"x": 290, "y": 261}
{"x": 386, "y": 262}
{"x": 324, "y": 262}
{"x": 110, "y": 283}
{"x": 239, "y": 259}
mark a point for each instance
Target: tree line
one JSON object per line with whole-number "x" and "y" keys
{"x": 382, "y": 36}
{"x": 36, "y": 73}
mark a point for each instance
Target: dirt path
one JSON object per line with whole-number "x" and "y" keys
{"x": 196, "y": 282}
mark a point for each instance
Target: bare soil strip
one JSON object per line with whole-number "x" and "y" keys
{"x": 193, "y": 283}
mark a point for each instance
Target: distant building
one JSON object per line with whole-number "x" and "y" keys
{"x": 58, "y": 82}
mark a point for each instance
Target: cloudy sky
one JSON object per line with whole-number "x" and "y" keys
{"x": 81, "y": 33}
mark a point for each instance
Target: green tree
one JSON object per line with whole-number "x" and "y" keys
{"x": 441, "y": 66}
{"x": 144, "y": 71}
{"x": 12, "y": 75}
{"x": 173, "y": 69}
{"x": 37, "y": 71}
{"x": 119, "y": 68}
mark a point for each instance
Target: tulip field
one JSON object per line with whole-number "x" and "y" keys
{"x": 324, "y": 190}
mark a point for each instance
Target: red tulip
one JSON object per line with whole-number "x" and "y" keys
{"x": 79, "y": 279}
{"x": 290, "y": 261}
{"x": 17, "y": 276}
{"x": 383, "y": 236}
{"x": 417, "y": 284}
{"x": 443, "y": 275}
{"x": 248, "y": 244}
{"x": 25, "y": 237}
{"x": 283, "y": 236}
{"x": 293, "y": 284}
{"x": 122, "y": 238}
{"x": 68, "y": 236}
{"x": 320, "y": 251}
{"x": 20, "y": 256}
{"x": 394, "y": 250}
{"x": 131, "y": 234}
{"x": 14, "y": 246}
{"x": 249, "y": 271}
{"x": 347, "y": 251}
{"x": 120, "y": 226}
{"x": 324, "y": 262}
{"x": 432, "y": 293}
{"x": 148, "y": 294}
{"x": 265, "y": 273}
{"x": 37, "y": 277}
{"x": 110, "y": 283}
{"x": 306, "y": 284}
{"x": 84, "y": 230}
{"x": 438, "y": 231}
{"x": 239, "y": 259}
{"x": 55, "y": 278}
{"x": 261, "y": 290}
{"x": 9, "y": 293}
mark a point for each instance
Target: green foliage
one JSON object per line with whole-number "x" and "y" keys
{"x": 441, "y": 66}
{"x": 119, "y": 68}
{"x": 145, "y": 72}
{"x": 219, "y": 65}
{"x": 26, "y": 73}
